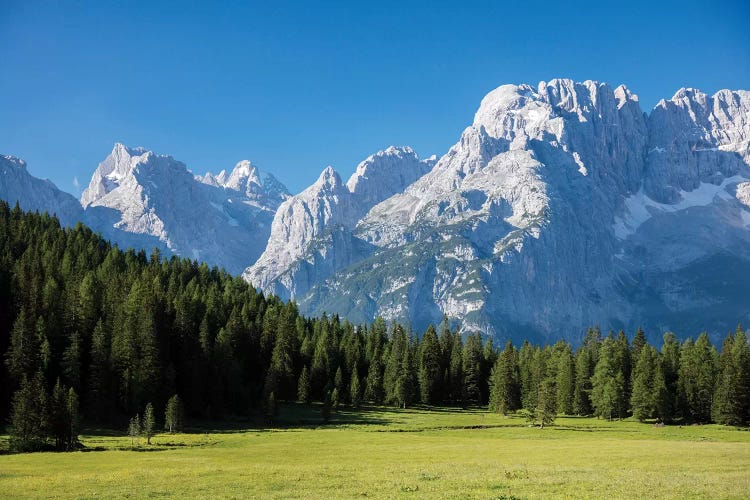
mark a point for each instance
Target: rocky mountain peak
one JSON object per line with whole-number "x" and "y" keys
{"x": 12, "y": 161}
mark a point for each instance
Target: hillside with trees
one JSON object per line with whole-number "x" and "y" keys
{"x": 88, "y": 330}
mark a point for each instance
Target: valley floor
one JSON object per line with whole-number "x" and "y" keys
{"x": 388, "y": 453}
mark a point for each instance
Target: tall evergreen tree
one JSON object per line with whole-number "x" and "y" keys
{"x": 505, "y": 391}
{"x": 430, "y": 367}
{"x": 546, "y": 409}
{"x": 608, "y": 384}
{"x": 565, "y": 381}
{"x": 30, "y": 423}
{"x": 642, "y": 399}
{"x": 472, "y": 360}
{"x": 149, "y": 422}
{"x": 303, "y": 386}
{"x": 696, "y": 379}
{"x": 174, "y": 415}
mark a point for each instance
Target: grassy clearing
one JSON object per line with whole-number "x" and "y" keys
{"x": 386, "y": 453}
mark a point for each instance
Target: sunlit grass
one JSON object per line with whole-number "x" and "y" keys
{"x": 390, "y": 453}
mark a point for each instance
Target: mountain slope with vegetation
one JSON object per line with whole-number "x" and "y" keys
{"x": 121, "y": 330}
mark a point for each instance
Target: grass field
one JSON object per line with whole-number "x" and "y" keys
{"x": 387, "y": 453}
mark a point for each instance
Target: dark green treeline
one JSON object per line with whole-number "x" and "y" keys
{"x": 119, "y": 329}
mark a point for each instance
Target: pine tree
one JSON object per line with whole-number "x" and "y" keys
{"x": 642, "y": 399}
{"x": 696, "y": 379}
{"x": 585, "y": 363}
{"x": 374, "y": 390}
{"x": 22, "y": 358}
{"x": 355, "y": 391}
{"x": 430, "y": 367}
{"x": 456, "y": 370}
{"x": 325, "y": 408}
{"x": 134, "y": 428}
{"x": 335, "y": 402}
{"x": 504, "y": 382}
{"x": 60, "y": 424}
{"x": 731, "y": 394}
{"x": 149, "y": 422}
{"x": 72, "y": 360}
{"x": 546, "y": 409}
{"x": 608, "y": 384}
{"x": 472, "y": 368}
{"x": 74, "y": 419}
{"x": 565, "y": 381}
{"x": 174, "y": 415}
{"x": 303, "y": 386}
{"x": 30, "y": 415}
{"x": 670, "y": 364}
{"x": 338, "y": 385}
{"x": 639, "y": 342}
{"x": 622, "y": 362}
{"x": 661, "y": 396}
{"x": 99, "y": 373}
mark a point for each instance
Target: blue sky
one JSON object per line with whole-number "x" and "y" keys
{"x": 298, "y": 86}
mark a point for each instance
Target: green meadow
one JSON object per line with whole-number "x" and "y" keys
{"x": 390, "y": 453}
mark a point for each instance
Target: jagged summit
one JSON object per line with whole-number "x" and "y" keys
{"x": 536, "y": 221}
{"x": 561, "y": 205}
{"x": 13, "y": 161}
{"x": 224, "y": 219}
{"x": 247, "y": 180}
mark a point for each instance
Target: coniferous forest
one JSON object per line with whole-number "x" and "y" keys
{"x": 95, "y": 333}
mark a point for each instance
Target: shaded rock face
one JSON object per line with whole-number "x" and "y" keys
{"x": 31, "y": 193}
{"x": 561, "y": 206}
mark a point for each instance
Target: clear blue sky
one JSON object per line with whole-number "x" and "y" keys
{"x": 297, "y": 86}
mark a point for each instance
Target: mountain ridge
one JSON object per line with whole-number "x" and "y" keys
{"x": 561, "y": 205}
{"x": 501, "y": 235}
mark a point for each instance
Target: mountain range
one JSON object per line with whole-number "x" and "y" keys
{"x": 561, "y": 206}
